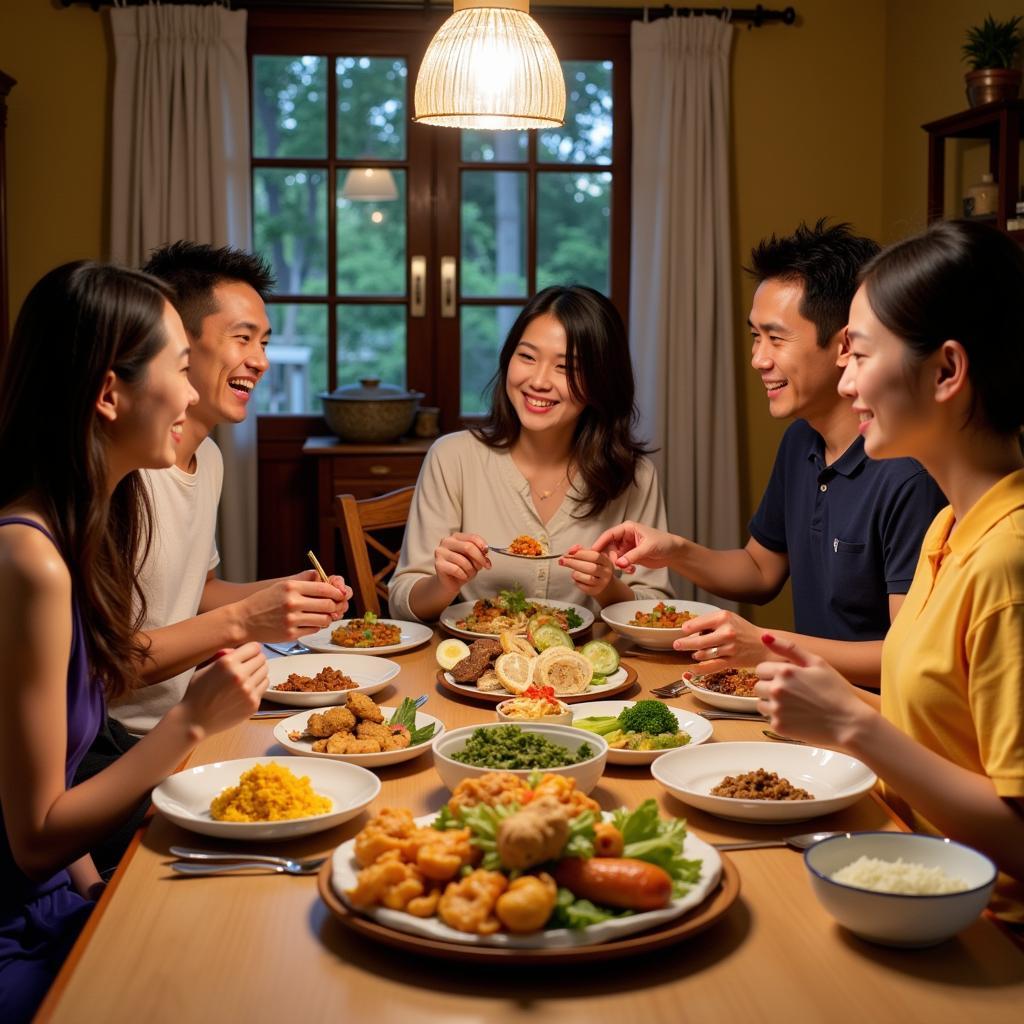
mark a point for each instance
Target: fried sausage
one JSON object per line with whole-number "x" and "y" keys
{"x": 616, "y": 882}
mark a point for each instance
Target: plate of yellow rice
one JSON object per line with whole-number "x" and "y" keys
{"x": 265, "y": 797}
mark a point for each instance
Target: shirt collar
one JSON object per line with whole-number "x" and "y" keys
{"x": 995, "y": 504}
{"x": 847, "y": 464}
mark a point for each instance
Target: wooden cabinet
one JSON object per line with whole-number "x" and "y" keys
{"x": 364, "y": 470}
{"x": 1000, "y": 124}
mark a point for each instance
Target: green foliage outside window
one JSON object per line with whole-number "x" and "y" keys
{"x": 290, "y": 216}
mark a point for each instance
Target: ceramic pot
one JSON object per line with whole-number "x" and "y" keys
{"x": 991, "y": 84}
{"x": 370, "y": 412}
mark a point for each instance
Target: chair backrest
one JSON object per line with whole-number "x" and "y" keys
{"x": 358, "y": 521}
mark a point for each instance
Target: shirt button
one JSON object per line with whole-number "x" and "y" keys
{"x": 823, "y": 488}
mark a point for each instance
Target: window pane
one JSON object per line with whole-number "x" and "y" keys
{"x": 371, "y": 232}
{"x": 494, "y": 233}
{"x": 573, "y": 228}
{"x": 483, "y": 330}
{"x": 290, "y": 227}
{"x": 298, "y": 359}
{"x": 289, "y": 106}
{"x": 586, "y": 136}
{"x": 494, "y": 147}
{"x": 371, "y": 107}
{"x": 371, "y": 343}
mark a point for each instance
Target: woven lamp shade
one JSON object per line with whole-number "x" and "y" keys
{"x": 490, "y": 67}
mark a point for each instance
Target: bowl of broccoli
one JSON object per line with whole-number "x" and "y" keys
{"x": 638, "y": 731}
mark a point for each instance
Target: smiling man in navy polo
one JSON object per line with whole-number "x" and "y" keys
{"x": 846, "y": 529}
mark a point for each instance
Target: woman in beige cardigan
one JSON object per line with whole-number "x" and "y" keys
{"x": 556, "y": 459}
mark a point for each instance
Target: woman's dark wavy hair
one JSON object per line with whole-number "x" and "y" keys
{"x": 79, "y": 322}
{"x": 600, "y": 377}
{"x": 963, "y": 281}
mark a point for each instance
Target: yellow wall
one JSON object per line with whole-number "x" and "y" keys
{"x": 826, "y": 122}
{"x": 796, "y": 105}
{"x": 924, "y": 80}
{"x": 56, "y": 138}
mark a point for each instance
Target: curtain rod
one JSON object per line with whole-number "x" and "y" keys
{"x": 755, "y": 16}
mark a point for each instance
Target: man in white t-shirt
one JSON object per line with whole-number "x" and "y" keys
{"x": 191, "y": 614}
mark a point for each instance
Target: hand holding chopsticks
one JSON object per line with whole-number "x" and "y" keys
{"x": 333, "y": 581}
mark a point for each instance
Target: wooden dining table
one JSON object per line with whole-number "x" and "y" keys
{"x": 264, "y": 947}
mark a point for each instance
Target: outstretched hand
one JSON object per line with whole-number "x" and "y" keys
{"x": 805, "y": 697}
{"x": 631, "y": 544}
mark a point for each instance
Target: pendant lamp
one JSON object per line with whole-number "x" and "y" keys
{"x": 490, "y": 67}
{"x": 369, "y": 184}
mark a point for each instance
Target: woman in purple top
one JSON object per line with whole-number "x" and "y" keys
{"x": 94, "y": 387}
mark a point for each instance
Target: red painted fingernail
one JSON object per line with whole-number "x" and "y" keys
{"x": 219, "y": 654}
{"x": 767, "y": 639}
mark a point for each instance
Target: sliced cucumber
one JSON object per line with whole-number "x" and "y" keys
{"x": 602, "y": 656}
{"x": 550, "y": 635}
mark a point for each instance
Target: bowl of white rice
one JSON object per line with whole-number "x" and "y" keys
{"x": 898, "y": 888}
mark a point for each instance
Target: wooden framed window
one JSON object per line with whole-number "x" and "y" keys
{"x": 418, "y": 284}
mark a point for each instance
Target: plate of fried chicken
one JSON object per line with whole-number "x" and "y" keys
{"x": 359, "y": 732}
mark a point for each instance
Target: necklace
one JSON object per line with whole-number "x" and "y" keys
{"x": 544, "y": 495}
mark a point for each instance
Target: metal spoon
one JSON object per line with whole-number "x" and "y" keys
{"x": 800, "y": 842}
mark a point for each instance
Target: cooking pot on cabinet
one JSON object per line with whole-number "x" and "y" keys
{"x": 370, "y": 411}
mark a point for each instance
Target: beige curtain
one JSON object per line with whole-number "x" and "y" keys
{"x": 180, "y": 169}
{"x": 681, "y": 312}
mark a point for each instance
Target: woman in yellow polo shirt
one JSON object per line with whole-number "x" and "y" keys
{"x": 936, "y": 372}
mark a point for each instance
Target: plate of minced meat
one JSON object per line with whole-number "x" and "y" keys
{"x": 766, "y": 782}
{"x": 368, "y": 635}
{"x": 319, "y": 680}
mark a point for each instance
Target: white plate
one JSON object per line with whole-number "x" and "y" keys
{"x": 726, "y": 701}
{"x": 185, "y": 798}
{"x": 372, "y": 675}
{"x": 617, "y": 678}
{"x": 344, "y": 869}
{"x": 700, "y": 729}
{"x": 413, "y": 634}
{"x": 651, "y": 637}
{"x": 834, "y": 780}
{"x": 304, "y": 747}
{"x": 454, "y": 612}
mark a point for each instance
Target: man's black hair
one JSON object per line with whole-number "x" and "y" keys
{"x": 194, "y": 269}
{"x": 826, "y": 261}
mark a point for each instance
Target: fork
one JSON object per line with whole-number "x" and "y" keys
{"x": 209, "y": 860}
{"x": 671, "y": 690}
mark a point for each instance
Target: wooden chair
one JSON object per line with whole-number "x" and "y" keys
{"x": 358, "y": 521}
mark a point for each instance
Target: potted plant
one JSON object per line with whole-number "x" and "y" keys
{"x": 991, "y": 50}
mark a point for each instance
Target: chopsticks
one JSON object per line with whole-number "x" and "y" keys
{"x": 316, "y": 565}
